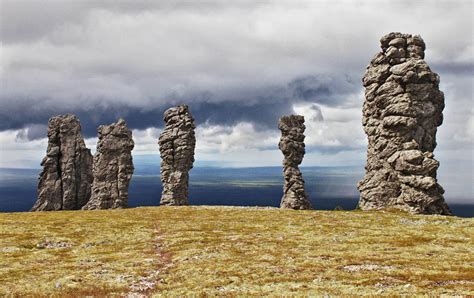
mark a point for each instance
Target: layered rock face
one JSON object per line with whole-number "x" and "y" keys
{"x": 177, "y": 143}
{"x": 65, "y": 182}
{"x": 113, "y": 167}
{"x": 293, "y": 148}
{"x": 402, "y": 110}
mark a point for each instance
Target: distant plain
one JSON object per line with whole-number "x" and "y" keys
{"x": 328, "y": 188}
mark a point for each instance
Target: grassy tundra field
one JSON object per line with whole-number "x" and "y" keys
{"x": 227, "y": 251}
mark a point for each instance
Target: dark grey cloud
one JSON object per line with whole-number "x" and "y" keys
{"x": 308, "y": 87}
{"x": 32, "y": 132}
{"x": 315, "y": 112}
{"x": 458, "y": 68}
{"x": 263, "y": 107}
{"x": 245, "y": 61}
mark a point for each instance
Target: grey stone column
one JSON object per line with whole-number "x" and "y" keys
{"x": 177, "y": 143}
{"x": 65, "y": 182}
{"x": 402, "y": 110}
{"x": 113, "y": 167}
{"x": 292, "y": 146}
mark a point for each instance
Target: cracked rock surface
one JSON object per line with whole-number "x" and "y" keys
{"x": 113, "y": 167}
{"x": 64, "y": 183}
{"x": 177, "y": 143}
{"x": 402, "y": 110}
{"x": 292, "y": 146}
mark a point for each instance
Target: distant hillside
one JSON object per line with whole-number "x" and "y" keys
{"x": 225, "y": 251}
{"x": 328, "y": 188}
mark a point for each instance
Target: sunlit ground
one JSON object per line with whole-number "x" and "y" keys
{"x": 228, "y": 251}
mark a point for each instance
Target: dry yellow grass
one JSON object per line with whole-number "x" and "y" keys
{"x": 234, "y": 251}
{"x": 52, "y": 253}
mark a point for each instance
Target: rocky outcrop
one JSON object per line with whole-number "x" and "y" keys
{"x": 177, "y": 143}
{"x": 402, "y": 110}
{"x": 293, "y": 148}
{"x": 113, "y": 167}
{"x": 65, "y": 181}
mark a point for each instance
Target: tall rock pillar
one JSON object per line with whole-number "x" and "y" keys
{"x": 293, "y": 148}
{"x": 65, "y": 181}
{"x": 177, "y": 143}
{"x": 113, "y": 167}
{"x": 402, "y": 110}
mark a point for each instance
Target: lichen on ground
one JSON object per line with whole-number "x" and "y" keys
{"x": 226, "y": 251}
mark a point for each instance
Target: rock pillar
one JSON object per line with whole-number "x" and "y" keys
{"x": 293, "y": 148}
{"x": 177, "y": 143}
{"x": 402, "y": 110}
{"x": 65, "y": 182}
{"x": 113, "y": 167}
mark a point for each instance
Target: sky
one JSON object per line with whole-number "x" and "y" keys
{"x": 239, "y": 66}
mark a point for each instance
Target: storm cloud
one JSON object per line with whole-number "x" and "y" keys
{"x": 262, "y": 106}
{"x": 240, "y": 66}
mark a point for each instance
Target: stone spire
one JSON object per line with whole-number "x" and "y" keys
{"x": 113, "y": 167}
{"x": 402, "y": 110}
{"x": 177, "y": 143}
{"x": 65, "y": 181}
{"x": 293, "y": 148}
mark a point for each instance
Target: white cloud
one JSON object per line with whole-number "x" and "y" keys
{"x": 15, "y": 153}
{"x": 242, "y": 136}
{"x": 146, "y": 141}
{"x": 327, "y": 128}
{"x": 470, "y": 127}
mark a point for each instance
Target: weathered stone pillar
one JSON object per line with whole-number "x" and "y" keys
{"x": 402, "y": 110}
{"x": 113, "y": 167}
{"x": 177, "y": 143}
{"x": 65, "y": 181}
{"x": 293, "y": 148}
